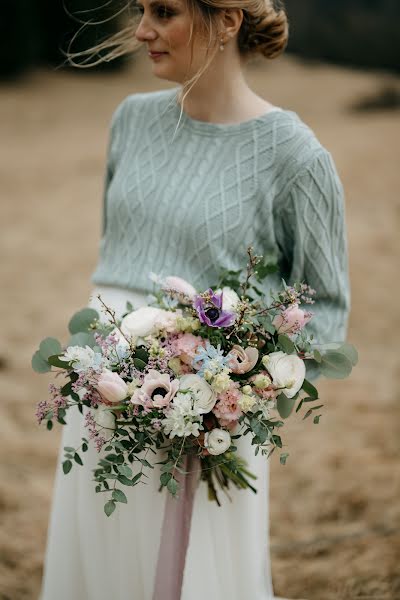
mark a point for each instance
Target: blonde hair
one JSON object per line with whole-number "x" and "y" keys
{"x": 264, "y": 30}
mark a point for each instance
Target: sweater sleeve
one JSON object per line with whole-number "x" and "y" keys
{"x": 113, "y": 144}
{"x": 311, "y": 236}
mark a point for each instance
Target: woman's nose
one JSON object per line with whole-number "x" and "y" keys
{"x": 144, "y": 32}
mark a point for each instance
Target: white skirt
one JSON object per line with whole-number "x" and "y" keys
{"x": 93, "y": 557}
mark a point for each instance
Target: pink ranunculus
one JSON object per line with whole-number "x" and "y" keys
{"x": 291, "y": 320}
{"x": 184, "y": 290}
{"x": 242, "y": 359}
{"x": 227, "y": 408}
{"x": 112, "y": 387}
{"x": 185, "y": 347}
{"x": 157, "y": 390}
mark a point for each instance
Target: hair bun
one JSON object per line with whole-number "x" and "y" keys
{"x": 265, "y": 31}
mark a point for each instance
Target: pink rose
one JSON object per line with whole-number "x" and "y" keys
{"x": 291, "y": 320}
{"x": 227, "y": 409}
{"x": 112, "y": 387}
{"x": 157, "y": 389}
{"x": 242, "y": 359}
{"x": 185, "y": 346}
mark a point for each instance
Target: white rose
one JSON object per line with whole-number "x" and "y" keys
{"x": 105, "y": 420}
{"x": 147, "y": 319}
{"x": 217, "y": 441}
{"x": 203, "y": 395}
{"x": 230, "y": 299}
{"x": 287, "y": 371}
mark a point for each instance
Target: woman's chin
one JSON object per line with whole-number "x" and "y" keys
{"x": 163, "y": 72}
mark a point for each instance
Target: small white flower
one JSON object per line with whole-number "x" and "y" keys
{"x": 230, "y": 299}
{"x": 148, "y": 319}
{"x": 82, "y": 359}
{"x": 203, "y": 395}
{"x": 221, "y": 382}
{"x": 246, "y": 402}
{"x": 287, "y": 371}
{"x": 217, "y": 441}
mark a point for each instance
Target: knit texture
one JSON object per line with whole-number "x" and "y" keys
{"x": 188, "y": 200}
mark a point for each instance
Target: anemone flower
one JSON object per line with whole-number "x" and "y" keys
{"x": 209, "y": 308}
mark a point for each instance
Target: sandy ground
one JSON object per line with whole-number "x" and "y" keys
{"x": 335, "y": 512}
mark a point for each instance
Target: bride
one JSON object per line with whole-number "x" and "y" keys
{"x": 194, "y": 175}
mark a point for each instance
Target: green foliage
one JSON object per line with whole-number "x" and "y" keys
{"x": 119, "y": 496}
{"x": 39, "y": 364}
{"x": 82, "y": 321}
{"x": 109, "y": 507}
{"x": 48, "y": 347}
{"x": 286, "y": 344}
{"x": 67, "y": 466}
{"x": 284, "y": 405}
{"x": 310, "y": 389}
{"x": 335, "y": 365}
{"x": 283, "y": 457}
{"x": 40, "y": 360}
{"x": 82, "y": 339}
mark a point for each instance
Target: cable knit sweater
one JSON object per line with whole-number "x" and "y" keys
{"x": 188, "y": 200}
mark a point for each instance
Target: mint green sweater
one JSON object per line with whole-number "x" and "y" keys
{"x": 189, "y": 204}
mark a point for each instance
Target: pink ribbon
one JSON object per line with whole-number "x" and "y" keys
{"x": 175, "y": 534}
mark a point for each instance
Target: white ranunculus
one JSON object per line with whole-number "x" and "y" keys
{"x": 184, "y": 290}
{"x": 105, "y": 420}
{"x": 286, "y": 370}
{"x": 148, "y": 319}
{"x": 203, "y": 394}
{"x": 230, "y": 299}
{"x": 217, "y": 441}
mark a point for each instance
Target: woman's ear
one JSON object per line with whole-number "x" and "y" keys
{"x": 231, "y": 20}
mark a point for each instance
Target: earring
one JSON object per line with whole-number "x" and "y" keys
{"x": 221, "y": 45}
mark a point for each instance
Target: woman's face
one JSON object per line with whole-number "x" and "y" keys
{"x": 165, "y": 29}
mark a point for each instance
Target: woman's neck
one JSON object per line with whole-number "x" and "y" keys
{"x": 223, "y": 100}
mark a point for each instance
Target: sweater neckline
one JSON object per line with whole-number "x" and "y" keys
{"x": 207, "y": 128}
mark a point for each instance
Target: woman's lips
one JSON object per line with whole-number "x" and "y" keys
{"x": 156, "y": 54}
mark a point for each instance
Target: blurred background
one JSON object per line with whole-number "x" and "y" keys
{"x": 335, "y": 511}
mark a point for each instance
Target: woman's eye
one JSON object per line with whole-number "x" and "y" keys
{"x": 164, "y": 13}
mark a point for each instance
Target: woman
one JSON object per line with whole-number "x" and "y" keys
{"x": 195, "y": 174}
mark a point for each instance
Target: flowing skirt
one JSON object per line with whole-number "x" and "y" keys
{"x": 93, "y": 557}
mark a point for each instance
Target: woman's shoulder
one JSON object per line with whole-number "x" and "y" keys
{"x": 136, "y": 104}
{"x": 295, "y": 144}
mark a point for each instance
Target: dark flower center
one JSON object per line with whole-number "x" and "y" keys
{"x": 159, "y": 392}
{"x": 212, "y": 313}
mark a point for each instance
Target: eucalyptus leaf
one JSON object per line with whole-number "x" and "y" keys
{"x": 81, "y": 321}
{"x": 283, "y": 457}
{"x": 172, "y": 486}
{"x": 39, "y": 364}
{"x": 119, "y": 496}
{"x": 48, "y": 347}
{"x": 67, "y": 466}
{"x": 285, "y": 405}
{"x": 310, "y": 390}
{"x": 109, "y": 507}
{"x": 350, "y": 352}
{"x": 125, "y": 470}
{"x": 286, "y": 344}
{"x": 335, "y": 365}
{"x": 82, "y": 339}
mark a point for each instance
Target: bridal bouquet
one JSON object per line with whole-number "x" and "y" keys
{"x": 188, "y": 375}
